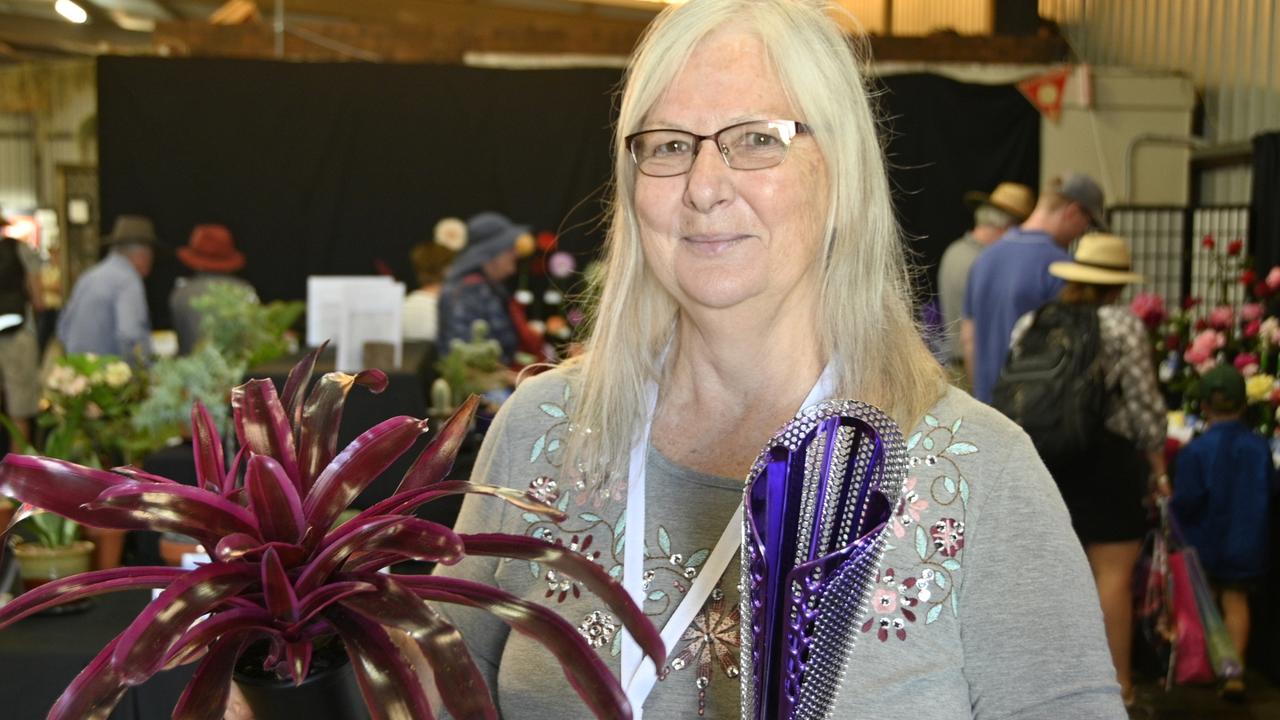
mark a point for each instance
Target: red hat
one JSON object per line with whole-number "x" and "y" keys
{"x": 211, "y": 249}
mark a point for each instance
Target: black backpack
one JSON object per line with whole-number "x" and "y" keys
{"x": 1053, "y": 382}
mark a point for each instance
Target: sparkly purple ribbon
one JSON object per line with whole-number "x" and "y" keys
{"x": 816, "y": 503}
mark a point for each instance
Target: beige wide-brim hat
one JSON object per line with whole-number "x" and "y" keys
{"x": 1100, "y": 259}
{"x": 1014, "y": 198}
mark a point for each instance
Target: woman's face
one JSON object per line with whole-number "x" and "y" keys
{"x": 720, "y": 238}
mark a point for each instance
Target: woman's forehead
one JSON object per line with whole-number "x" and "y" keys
{"x": 728, "y": 78}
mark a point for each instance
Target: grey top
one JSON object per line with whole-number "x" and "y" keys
{"x": 953, "y": 273}
{"x": 186, "y": 320}
{"x": 107, "y": 312}
{"x": 984, "y": 608}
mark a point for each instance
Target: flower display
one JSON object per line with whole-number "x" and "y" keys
{"x": 1192, "y": 340}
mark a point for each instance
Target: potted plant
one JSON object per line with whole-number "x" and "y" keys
{"x": 54, "y": 550}
{"x": 85, "y": 409}
{"x": 282, "y": 580}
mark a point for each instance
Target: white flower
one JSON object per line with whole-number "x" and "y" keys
{"x": 117, "y": 374}
{"x": 92, "y": 411}
{"x": 451, "y": 233}
{"x": 76, "y": 386}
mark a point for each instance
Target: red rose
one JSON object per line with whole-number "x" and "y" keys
{"x": 1251, "y": 328}
{"x": 546, "y": 241}
{"x": 1261, "y": 290}
{"x": 1235, "y": 246}
{"x": 1248, "y": 277}
{"x": 1208, "y": 242}
{"x": 1201, "y": 325}
{"x": 1190, "y": 303}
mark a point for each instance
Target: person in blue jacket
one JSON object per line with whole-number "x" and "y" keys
{"x": 1222, "y": 497}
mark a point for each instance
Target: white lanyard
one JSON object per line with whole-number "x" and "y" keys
{"x": 638, "y": 676}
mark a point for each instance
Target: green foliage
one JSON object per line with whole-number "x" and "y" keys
{"x": 176, "y": 383}
{"x": 245, "y": 331}
{"x": 51, "y": 530}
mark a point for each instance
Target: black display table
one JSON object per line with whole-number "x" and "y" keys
{"x": 41, "y": 655}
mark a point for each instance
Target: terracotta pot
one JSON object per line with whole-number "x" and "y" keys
{"x": 109, "y": 546}
{"x": 172, "y": 549}
{"x": 38, "y": 564}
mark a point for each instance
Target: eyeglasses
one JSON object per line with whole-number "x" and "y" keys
{"x": 752, "y": 145}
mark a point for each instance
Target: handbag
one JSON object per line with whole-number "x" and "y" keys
{"x": 1204, "y": 648}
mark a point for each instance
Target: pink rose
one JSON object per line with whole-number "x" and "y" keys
{"x": 1149, "y": 307}
{"x": 1251, "y": 328}
{"x": 1246, "y": 363}
{"x": 1273, "y": 278}
{"x": 1221, "y": 317}
{"x": 1250, "y": 312}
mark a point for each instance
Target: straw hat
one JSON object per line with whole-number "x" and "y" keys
{"x": 1100, "y": 259}
{"x": 1013, "y": 198}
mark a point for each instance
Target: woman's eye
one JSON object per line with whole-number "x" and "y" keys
{"x": 673, "y": 147}
{"x": 759, "y": 140}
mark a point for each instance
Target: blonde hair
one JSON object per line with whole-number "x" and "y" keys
{"x": 867, "y": 318}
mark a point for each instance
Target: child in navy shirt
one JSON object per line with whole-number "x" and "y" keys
{"x": 1221, "y": 498}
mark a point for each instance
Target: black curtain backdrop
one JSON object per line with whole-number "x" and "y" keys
{"x": 946, "y": 138}
{"x": 1264, "y": 212}
{"x": 329, "y": 168}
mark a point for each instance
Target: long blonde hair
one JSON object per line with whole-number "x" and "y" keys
{"x": 867, "y": 315}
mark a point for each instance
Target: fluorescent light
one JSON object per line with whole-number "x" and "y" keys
{"x": 71, "y": 11}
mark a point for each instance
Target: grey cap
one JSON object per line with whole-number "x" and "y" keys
{"x": 1082, "y": 190}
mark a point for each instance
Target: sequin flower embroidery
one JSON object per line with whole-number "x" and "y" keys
{"x": 712, "y": 639}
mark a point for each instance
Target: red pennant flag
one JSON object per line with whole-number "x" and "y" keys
{"x": 1045, "y": 92}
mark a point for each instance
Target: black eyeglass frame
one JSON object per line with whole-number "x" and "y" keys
{"x": 797, "y": 128}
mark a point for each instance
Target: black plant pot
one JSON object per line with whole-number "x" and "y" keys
{"x": 330, "y": 692}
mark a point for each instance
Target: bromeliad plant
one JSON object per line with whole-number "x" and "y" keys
{"x": 280, "y": 573}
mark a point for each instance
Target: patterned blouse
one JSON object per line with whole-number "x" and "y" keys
{"x": 1136, "y": 409}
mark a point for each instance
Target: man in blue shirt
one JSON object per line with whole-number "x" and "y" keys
{"x": 107, "y": 313}
{"x": 1011, "y": 277}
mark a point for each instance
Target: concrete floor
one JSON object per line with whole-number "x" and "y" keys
{"x": 1261, "y": 702}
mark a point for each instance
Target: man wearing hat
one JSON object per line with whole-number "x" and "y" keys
{"x": 1011, "y": 277}
{"x": 107, "y": 312}
{"x": 1009, "y": 204}
{"x": 473, "y": 288}
{"x": 211, "y": 252}
{"x": 19, "y": 353}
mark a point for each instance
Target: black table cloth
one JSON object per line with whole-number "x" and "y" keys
{"x": 41, "y": 655}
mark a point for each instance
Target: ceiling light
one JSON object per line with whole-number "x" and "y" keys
{"x": 71, "y": 11}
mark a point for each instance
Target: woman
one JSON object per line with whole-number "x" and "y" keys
{"x": 1104, "y": 491}
{"x": 733, "y": 282}
{"x": 430, "y": 260}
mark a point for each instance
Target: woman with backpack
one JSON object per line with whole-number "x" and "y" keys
{"x": 1081, "y": 382}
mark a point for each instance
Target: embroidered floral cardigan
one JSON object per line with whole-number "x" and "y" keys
{"x": 984, "y": 606}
